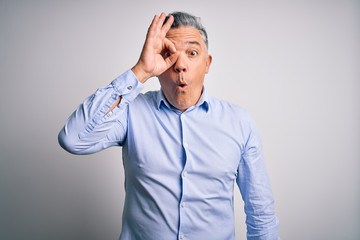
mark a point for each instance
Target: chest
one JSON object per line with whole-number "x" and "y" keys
{"x": 166, "y": 143}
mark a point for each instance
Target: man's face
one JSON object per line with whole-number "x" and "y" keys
{"x": 182, "y": 83}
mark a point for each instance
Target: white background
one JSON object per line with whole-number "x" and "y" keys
{"x": 295, "y": 65}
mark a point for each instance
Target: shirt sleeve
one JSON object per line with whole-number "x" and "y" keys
{"x": 91, "y": 127}
{"x": 254, "y": 184}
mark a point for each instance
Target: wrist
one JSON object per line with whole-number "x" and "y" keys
{"x": 140, "y": 74}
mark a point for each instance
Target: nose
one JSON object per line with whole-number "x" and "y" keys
{"x": 180, "y": 64}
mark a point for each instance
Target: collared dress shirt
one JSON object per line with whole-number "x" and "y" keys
{"x": 180, "y": 167}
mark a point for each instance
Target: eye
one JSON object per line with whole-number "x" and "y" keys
{"x": 193, "y": 53}
{"x": 166, "y": 54}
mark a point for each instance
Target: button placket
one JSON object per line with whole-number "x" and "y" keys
{"x": 183, "y": 204}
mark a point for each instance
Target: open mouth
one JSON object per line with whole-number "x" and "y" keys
{"x": 181, "y": 81}
{"x": 182, "y": 87}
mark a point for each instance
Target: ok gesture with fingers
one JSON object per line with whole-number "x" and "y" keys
{"x": 151, "y": 62}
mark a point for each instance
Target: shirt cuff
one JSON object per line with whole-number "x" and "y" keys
{"x": 127, "y": 86}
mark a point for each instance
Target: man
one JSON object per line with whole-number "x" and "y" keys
{"x": 182, "y": 149}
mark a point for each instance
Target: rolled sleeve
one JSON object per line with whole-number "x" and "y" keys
{"x": 91, "y": 127}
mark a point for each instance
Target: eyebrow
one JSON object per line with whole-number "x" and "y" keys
{"x": 193, "y": 43}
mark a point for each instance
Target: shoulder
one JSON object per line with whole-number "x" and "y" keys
{"x": 232, "y": 118}
{"x": 231, "y": 114}
{"x": 226, "y": 108}
{"x": 144, "y": 102}
{"x": 146, "y": 97}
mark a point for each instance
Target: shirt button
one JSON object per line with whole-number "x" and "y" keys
{"x": 182, "y": 205}
{"x": 186, "y": 144}
{"x": 181, "y": 237}
{"x": 129, "y": 87}
{"x": 184, "y": 174}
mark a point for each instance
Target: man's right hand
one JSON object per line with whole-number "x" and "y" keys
{"x": 151, "y": 62}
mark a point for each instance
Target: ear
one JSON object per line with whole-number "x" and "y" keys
{"x": 208, "y": 63}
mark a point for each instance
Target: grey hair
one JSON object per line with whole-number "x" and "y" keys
{"x": 186, "y": 19}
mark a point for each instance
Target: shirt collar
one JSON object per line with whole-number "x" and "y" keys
{"x": 203, "y": 102}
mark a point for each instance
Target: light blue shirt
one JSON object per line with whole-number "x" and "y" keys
{"x": 180, "y": 168}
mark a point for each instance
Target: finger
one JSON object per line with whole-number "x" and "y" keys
{"x": 169, "y": 45}
{"x": 162, "y": 16}
{"x": 168, "y": 24}
{"x": 154, "y": 22}
{"x": 161, "y": 20}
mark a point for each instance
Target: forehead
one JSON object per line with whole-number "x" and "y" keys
{"x": 185, "y": 35}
